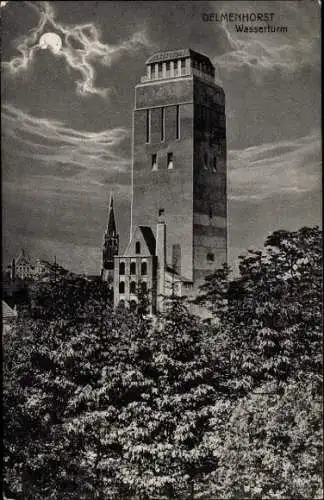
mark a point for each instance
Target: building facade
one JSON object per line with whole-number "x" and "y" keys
{"x": 179, "y": 180}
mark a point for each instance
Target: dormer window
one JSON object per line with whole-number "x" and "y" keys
{"x": 138, "y": 247}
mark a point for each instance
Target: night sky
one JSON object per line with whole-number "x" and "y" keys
{"x": 66, "y": 118}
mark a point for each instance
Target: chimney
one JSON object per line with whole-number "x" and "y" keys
{"x": 161, "y": 257}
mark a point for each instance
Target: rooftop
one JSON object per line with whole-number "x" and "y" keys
{"x": 177, "y": 54}
{"x": 177, "y": 64}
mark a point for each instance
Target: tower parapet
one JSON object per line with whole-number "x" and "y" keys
{"x": 178, "y": 63}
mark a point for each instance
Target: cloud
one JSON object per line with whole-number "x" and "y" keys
{"x": 82, "y": 49}
{"x": 289, "y": 167}
{"x": 53, "y": 143}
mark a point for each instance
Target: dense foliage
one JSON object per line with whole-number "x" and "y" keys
{"x": 104, "y": 404}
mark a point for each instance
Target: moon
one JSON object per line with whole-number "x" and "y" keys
{"x": 50, "y": 41}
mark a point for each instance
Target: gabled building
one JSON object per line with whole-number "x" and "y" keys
{"x": 136, "y": 270}
{"x": 21, "y": 267}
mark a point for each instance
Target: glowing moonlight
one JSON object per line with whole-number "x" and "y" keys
{"x": 50, "y": 41}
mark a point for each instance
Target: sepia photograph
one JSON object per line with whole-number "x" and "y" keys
{"x": 161, "y": 250}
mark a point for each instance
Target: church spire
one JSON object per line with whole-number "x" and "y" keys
{"x": 111, "y": 226}
{"x": 110, "y": 245}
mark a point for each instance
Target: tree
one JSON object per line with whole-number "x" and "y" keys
{"x": 270, "y": 315}
{"x": 70, "y": 297}
{"x": 102, "y": 404}
{"x": 267, "y": 430}
{"x": 269, "y": 445}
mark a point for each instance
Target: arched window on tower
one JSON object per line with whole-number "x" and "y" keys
{"x": 137, "y": 247}
{"x": 133, "y": 268}
{"x": 122, "y": 268}
{"x": 122, "y": 287}
{"x": 144, "y": 268}
{"x": 132, "y": 287}
{"x": 144, "y": 286}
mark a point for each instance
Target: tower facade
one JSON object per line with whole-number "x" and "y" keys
{"x": 179, "y": 160}
{"x": 110, "y": 245}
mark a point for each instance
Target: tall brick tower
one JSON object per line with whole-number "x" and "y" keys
{"x": 179, "y": 160}
{"x": 110, "y": 246}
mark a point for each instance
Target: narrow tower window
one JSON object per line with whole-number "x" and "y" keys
{"x": 133, "y": 268}
{"x": 215, "y": 163}
{"x": 170, "y": 160}
{"x": 132, "y": 287}
{"x": 121, "y": 287}
{"x": 162, "y": 123}
{"x": 144, "y": 268}
{"x": 154, "y": 162}
{"x": 210, "y": 257}
{"x": 160, "y": 70}
{"x": 178, "y": 122}
{"x": 138, "y": 247}
{"x": 205, "y": 160}
{"x": 122, "y": 268}
{"x": 147, "y": 125}
{"x": 167, "y": 68}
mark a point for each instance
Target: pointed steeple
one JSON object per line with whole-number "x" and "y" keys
{"x": 110, "y": 244}
{"x": 111, "y": 226}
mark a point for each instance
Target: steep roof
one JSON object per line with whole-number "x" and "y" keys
{"x": 149, "y": 238}
{"x": 23, "y": 259}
